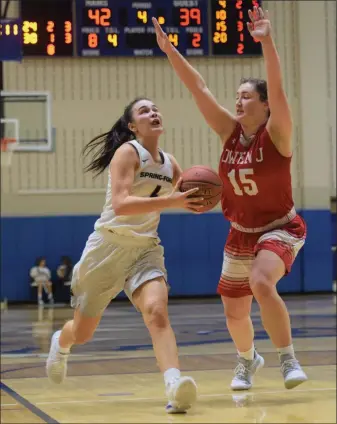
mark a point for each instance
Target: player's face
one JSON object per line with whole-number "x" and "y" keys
{"x": 42, "y": 263}
{"x": 147, "y": 120}
{"x": 249, "y": 108}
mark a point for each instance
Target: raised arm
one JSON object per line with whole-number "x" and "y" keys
{"x": 122, "y": 170}
{"x": 279, "y": 124}
{"x": 217, "y": 117}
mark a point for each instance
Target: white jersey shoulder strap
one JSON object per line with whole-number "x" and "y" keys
{"x": 146, "y": 158}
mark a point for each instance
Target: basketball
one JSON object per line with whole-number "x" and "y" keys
{"x": 208, "y": 181}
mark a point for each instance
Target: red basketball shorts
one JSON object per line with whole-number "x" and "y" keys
{"x": 242, "y": 247}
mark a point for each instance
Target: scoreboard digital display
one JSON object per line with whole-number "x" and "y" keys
{"x": 47, "y": 27}
{"x": 95, "y": 28}
{"x": 230, "y": 35}
{"x": 124, "y": 28}
{"x": 10, "y": 39}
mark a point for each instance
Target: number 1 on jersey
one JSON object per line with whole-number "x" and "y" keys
{"x": 249, "y": 186}
{"x": 155, "y": 191}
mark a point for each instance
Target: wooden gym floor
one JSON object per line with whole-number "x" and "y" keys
{"x": 114, "y": 378}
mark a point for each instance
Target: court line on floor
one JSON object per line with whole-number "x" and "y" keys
{"x": 24, "y": 402}
{"x": 145, "y": 347}
{"x": 93, "y": 360}
{"x": 108, "y": 355}
{"x": 321, "y": 389}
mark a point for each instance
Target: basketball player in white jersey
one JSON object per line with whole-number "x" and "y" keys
{"x": 123, "y": 253}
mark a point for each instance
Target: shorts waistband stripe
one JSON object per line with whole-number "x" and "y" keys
{"x": 278, "y": 222}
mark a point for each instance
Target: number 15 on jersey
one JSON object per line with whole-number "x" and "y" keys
{"x": 241, "y": 182}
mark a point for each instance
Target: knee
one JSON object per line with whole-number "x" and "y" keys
{"x": 262, "y": 285}
{"x": 155, "y": 314}
{"x": 234, "y": 316}
{"x": 236, "y": 310}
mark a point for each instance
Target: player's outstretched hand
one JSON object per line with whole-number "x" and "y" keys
{"x": 162, "y": 39}
{"x": 260, "y": 26}
{"x": 185, "y": 200}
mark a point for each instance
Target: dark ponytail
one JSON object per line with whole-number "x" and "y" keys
{"x": 109, "y": 142}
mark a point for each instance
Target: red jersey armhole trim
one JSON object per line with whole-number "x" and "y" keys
{"x": 234, "y": 134}
{"x": 275, "y": 148}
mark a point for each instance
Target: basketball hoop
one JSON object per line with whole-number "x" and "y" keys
{"x": 7, "y": 150}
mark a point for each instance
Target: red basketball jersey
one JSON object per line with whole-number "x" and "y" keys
{"x": 257, "y": 180}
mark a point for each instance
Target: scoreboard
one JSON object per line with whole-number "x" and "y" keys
{"x": 47, "y": 27}
{"x": 124, "y": 28}
{"x": 10, "y": 39}
{"x": 95, "y": 28}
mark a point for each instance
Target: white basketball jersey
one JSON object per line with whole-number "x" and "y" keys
{"x": 151, "y": 180}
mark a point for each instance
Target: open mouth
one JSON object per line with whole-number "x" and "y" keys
{"x": 155, "y": 122}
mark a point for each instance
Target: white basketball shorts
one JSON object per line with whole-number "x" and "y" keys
{"x": 111, "y": 263}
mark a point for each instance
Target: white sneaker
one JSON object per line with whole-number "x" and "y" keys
{"x": 182, "y": 394}
{"x": 57, "y": 362}
{"x": 40, "y": 302}
{"x": 245, "y": 371}
{"x": 292, "y": 372}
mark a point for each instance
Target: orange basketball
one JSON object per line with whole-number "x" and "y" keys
{"x": 208, "y": 181}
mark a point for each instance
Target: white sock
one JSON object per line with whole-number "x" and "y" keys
{"x": 171, "y": 374}
{"x": 39, "y": 297}
{"x": 288, "y": 350}
{"x": 249, "y": 355}
{"x": 50, "y": 295}
{"x": 63, "y": 350}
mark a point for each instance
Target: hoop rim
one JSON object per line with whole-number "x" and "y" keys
{"x": 5, "y": 141}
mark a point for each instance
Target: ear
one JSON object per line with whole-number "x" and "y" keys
{"x": 132, "y": 127}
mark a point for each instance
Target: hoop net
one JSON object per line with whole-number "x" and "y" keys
{"x": 7, "y": 150}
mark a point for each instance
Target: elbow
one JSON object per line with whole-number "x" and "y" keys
{"x": 120, "y": 204}
{"x": 200, "y": 86}
{"x": 117, "y": 208}
{"x": 120, "y": 208}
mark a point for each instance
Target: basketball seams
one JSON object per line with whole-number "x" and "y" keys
{"x": 206, "y": 168}
{"x": 209, "y": 184}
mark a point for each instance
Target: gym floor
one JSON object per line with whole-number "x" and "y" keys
{"x": 114, "y": 378}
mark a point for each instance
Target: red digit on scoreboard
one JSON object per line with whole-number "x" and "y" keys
{"x": 50, "y": 26}
{"x": 68, "y": 38}
{"x": 240, "y": 48}
{"x": 187, "y": 14}
{"x": 94, "y": 15}
{"x": 100, "y": 16}
{"x": 106, "y": 15}
{"x": 50, "y": 50}
{"x": 184, "y": 16}
{"x": 195, "y": 14}
{"x": 92, "y": 40}
{"x": 196, "y": 40}
{"x": 238, "y": 4}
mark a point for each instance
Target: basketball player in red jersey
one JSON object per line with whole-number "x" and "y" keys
{"x": 266, "y": 233}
